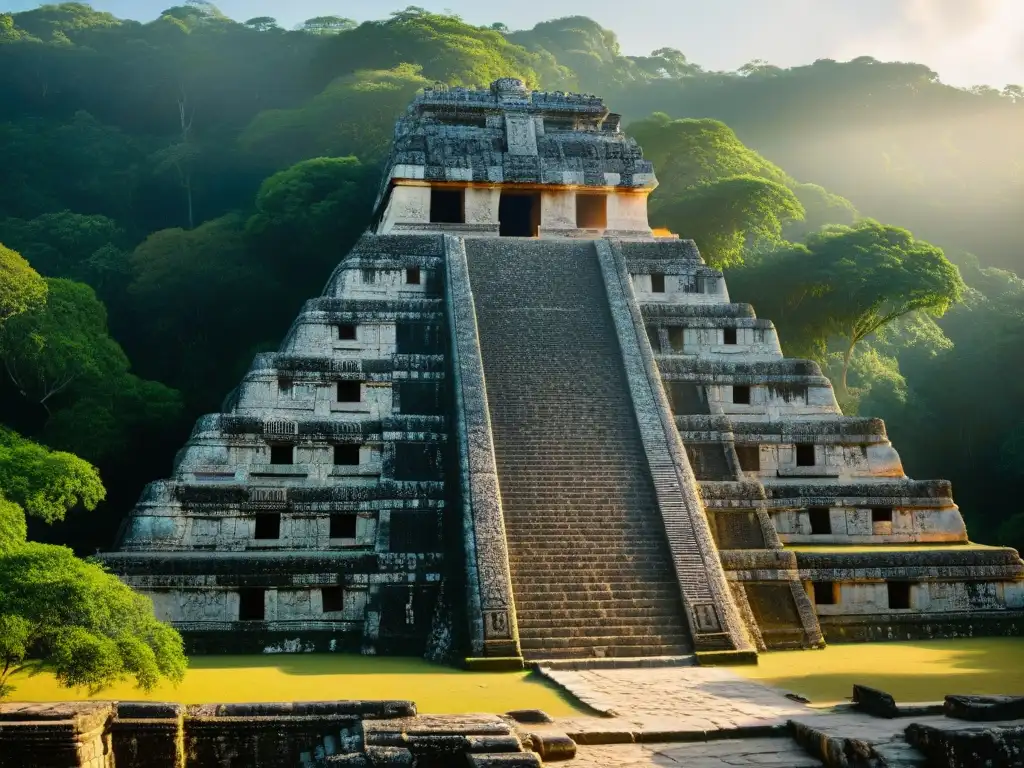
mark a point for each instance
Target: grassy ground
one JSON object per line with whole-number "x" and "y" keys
{"x": 317, "y": 677}
{"x": 910, "y": 671}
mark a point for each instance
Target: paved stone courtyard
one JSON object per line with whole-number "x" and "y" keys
{"x": 679, "y": 699}
{"x": 732, "y": 753}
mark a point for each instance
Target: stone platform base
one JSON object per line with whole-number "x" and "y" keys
{"x": 285, "y": 735}
{"x": 884, "y": 627}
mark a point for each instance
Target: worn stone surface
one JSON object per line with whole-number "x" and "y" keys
{"x": 776, "y": 752}
{"x": 989, "y": 746}
{"x": 874, "y": 702}
{"x": 693, "y": 700}
{"x": 587, "y": 550}
{"x": 980, "y": 708}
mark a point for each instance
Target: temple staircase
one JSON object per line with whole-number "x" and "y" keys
{"x": 590, "y": 567}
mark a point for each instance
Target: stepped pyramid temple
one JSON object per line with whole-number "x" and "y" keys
{"x": 519, "y": 423}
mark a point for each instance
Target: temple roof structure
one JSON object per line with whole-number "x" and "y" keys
{"x": 508, "y": 135}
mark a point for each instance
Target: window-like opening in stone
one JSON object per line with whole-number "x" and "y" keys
{"x": 412, "y": 276}
{"x": 414, "y": 531}
{"x": 343, "y": 526}
{"x": 654, "y": 336}
{"x": 657, "y": 283}
{"x": 728, "y": 335}
{"x": 369, "y": 275}
{"x": 821, "y": 520}
{"x": 825, "y": 593}
{"x": 417, "y": 462}
{"x": 422, "y": 398}
{"x": 881, "y": 515}
{"x": 250, "y": 604}
{"x": 419, "y": 339}
{"x": 750, "y": 457}
{"x": 687, "y": 399}
{"x": 447, "y": 206}
{"x": 675, "y": 338}
{"x": 333, "y": 599}
{"x": 899, "y": 595}
{"x": 591, "y": 211}
{"x": 350, "y": 391}
{"x": 805, "y": 454}
{"x": 741, "y": 394}
{"x": 284, "y": 387}
{"x": 518, "y": 214}
{"x": 268, "y": 526}
{"x": 346, "y": 454}
{"x": 346, "y": 332}
{"x": 282, "y": 454}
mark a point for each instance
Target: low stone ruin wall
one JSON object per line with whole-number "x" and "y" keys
{"x": 286, "y": 735}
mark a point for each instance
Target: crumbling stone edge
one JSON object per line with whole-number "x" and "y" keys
{"x": 712, "y": 615}
{"x": 491, "y": 609}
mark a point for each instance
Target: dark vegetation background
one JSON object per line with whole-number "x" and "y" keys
{"x": 191, "y": 181}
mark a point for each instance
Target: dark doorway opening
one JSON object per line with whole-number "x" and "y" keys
{"x": 447, "y": 206}
{"x": 251, "y": 604}
{"x": 591, "y": 211}
{"x": 825, "y": 593}
{"x": 899, "y": 595}
{"x": 519, "y": 214}
{"x": 821, "y": 521}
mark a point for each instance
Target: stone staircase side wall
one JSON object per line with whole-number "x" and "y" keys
{"x": 711, "y": 609}
{"x": 491, "y": 610}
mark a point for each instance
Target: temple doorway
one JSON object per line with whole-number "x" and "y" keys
{"x": 519, "y": 214}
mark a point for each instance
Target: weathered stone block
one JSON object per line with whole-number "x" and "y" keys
{"x": 988, "y": 708}
{"x": 991, "y": 747}
{"x": 874, "y": 702}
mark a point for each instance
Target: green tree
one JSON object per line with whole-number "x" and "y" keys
{"x": 66, "y": 244}
{"x": 354, "y": 115}
{"x": 850, "y": 282}
{"x": 689, "y": 152}
{"x": 21, "y": 287}
{"x": 263, "y": 24}
{"x": 61, "y": 357}
{"x": 234, "y": 302}
{"x": 56, "y": 611}
{"x": 312, "y": 210}
{"x": 448, "y": 49}
{"x": 327, "y": 25}
{"x": 13, "y": 530}
{"x": 48, "y": 350}
{"x": 729, "y": 216}
{"x": 45, "y": 483}
{"x": 81, "y": 622}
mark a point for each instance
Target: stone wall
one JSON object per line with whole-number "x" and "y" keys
{"x": 773, "y": 451}
{"x": 311, "y": 512}
{"x": 275, "y": 735}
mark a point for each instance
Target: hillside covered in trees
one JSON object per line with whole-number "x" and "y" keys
{"x": 172, "y": 191}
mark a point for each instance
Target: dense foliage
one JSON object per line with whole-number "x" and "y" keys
{"x": 183, "y": 185}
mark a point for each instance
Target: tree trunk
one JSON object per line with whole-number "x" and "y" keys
{"x": 188, "y": 195}
{"x": 846, "y": 366}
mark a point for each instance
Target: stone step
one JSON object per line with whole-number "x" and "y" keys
{"x": 603, "y": 575}
{"x": 609, "y": 652}
{"x": 583, "y": 527}
{"x": 549, "y": 581}
{"x": 617, "y": 625}
{"x": 582, "y": 556}
{"x": 680, "y": 642}
{"x": 620, "y": 609}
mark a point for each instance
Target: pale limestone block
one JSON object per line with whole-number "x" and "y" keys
{"x": 627, "y": 212}
{"x": 557, "y": 209}
{"x": 858, "y": 522}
